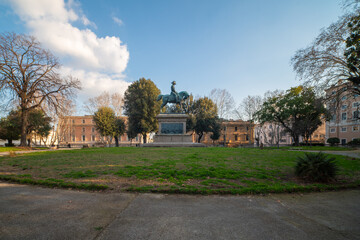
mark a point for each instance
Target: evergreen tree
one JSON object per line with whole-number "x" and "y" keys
{"x": 141, "y": 107}
{"x": 203, "y": 117}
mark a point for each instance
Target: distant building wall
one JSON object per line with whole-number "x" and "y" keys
{"x": 272, "y": 134}
{"x": 233, "y": 134}
{"x": 82, "y": 130}
{"x": 344, "y": 107}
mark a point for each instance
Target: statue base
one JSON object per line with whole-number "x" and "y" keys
{"x": 172, "y": 132}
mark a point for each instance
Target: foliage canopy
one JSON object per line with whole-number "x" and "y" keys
{"x": 299, "y": 111}
{"x": 141, "y": 107}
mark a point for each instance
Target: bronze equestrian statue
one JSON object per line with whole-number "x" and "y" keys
{"x": 174, "y": 97}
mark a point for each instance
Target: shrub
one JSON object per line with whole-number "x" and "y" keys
{"x": 333, "y": 141}
{"x": 316, "y": 167}
{"x": 311, "y": 144}
{"x": 355, "y": 142}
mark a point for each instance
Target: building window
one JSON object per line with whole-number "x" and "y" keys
{"x": 83, "y": 138}
{"x": 73, "y": 121}
{"x": 332, "y": 130}
{"x": 355, "y": 128}
{"x": 343, "y": 141}
{"x": 83, "y": 129}
{"x": 247, "y": 137}
{"x": 93, "y": 138}
{"x": 73, "y": 138}
{"x": 356, "y": 115}
{"x": 344, "y": 98}
{"x": 83, "y": 120}
{"x": 137, "y": 138}
{"x": 343, "y": 116}
{"x": 236, "y": 137}
{"x": 93, "y": 129}
{"x": 343, "y": 107}
{"x": 316, "y": 136}
{"x": 235, "y": 129}
{"x": 343, "y": 129}
{"x": 333, "y": 118}
{"x": 333, "y": 92}
{"x": 356, "y": 104}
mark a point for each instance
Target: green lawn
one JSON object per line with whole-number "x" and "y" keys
{"x": 8, "y": 149}
{"x": 317, "y": 148}
{"x": 13, "y": 149}
{"x": 185, "y": 170}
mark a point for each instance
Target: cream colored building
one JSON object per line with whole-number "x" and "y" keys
{"x": 233, "y": 134}
{"x": 344, "y": 107}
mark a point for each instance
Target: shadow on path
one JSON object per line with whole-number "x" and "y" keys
{"x": 31, "y": 212}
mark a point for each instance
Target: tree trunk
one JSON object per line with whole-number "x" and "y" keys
{"x": 23, "y": 127}
{"x": 200, "y": 136}
{"x": 144, "y": 137}
{"x": 10, "y": 142}
{"x": 116, "y": 141}
{"x": 296, "y": 140}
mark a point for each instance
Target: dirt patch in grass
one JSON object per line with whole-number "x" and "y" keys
{"x": 119, "y": 184}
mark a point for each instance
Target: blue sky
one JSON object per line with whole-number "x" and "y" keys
{"x": 241, "y": 46}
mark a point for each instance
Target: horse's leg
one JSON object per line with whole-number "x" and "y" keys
{"x": 163, "y": 104}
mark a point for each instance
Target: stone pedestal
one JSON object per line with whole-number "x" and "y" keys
{"x": 172, "y": 132}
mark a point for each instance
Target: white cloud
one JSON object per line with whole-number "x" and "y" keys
{"x": 94, "y": 60}
{"x": 118, "y": 21}
{"x": 90, "y": 82}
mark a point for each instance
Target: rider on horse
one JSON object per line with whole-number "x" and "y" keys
{"x": 174, "y": 97}
{"x": 174, "y": 92}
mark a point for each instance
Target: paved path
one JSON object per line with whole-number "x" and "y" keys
{"x": 30, "y": 212}
{"x": 353, "y": 154}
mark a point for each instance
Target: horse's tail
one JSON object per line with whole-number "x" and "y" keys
{"x": 159, "y": 97}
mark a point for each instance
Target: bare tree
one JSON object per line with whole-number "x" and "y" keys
{"x": 248, "y": 107}
{"x": 224, "y": 101}
{"x": 28, "y": 73}
{"x": 115, "y": 101}
{"x": 270, "y": 134}
{"x": 323, "y": 63}
{"x": 60, "y": 127}
{"x": 271, "y": 94}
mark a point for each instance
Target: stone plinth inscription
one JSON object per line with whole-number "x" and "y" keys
{"x": 172, "y": 128}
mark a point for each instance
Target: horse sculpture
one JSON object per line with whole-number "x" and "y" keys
{"x": 170, "y": 98}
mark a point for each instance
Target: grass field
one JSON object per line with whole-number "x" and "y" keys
{"x": 14, "y": 149}
{"x": 8, "y": 149}
{"x": 317, "y": 148}
{"x": 183, "y": 170}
